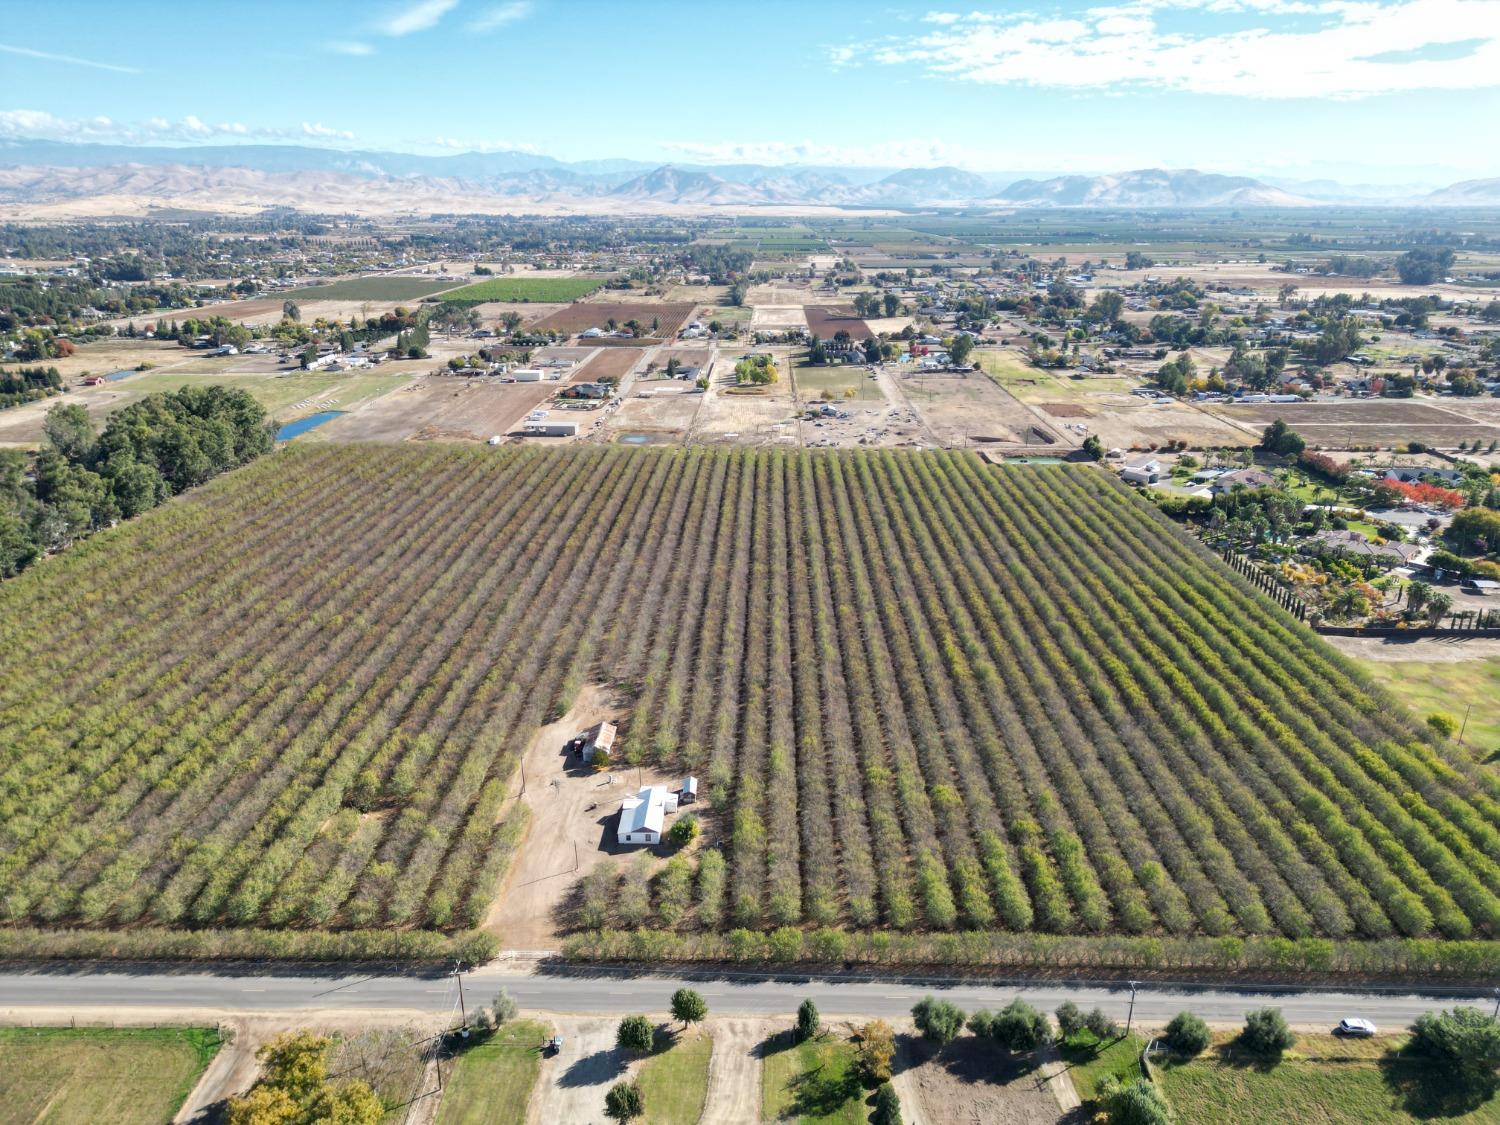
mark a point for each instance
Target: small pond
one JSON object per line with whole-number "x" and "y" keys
{"x": 310, "y": 422}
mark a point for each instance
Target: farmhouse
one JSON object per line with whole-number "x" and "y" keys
{"x": 1243, "y": 478}
{"x": 641, "y": 816}
{"x": 1354, "y": 544}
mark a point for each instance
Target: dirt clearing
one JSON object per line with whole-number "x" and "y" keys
{"x": 972, "y": 1080}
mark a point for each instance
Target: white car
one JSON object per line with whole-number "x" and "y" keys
{"x": 1355, "y": 1026}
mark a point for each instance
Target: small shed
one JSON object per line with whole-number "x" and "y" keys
{"x": 689, "y": 790}
{"x": 598, "y": 737}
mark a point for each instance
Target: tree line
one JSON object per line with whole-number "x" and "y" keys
{"x": 83, "y": 480}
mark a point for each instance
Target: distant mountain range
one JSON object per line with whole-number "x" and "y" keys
{"x": 53, "y": 177}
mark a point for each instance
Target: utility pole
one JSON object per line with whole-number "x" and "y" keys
{"x": 523, "y": 780}
{"x": 458, "y": 972}
{"x": 1130, "y": 1019}
{"x": 1496, "y": 1016}
{"x": 1465, "y": 725}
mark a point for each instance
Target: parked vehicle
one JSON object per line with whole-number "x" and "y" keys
{"x": 1356, "y": 1027}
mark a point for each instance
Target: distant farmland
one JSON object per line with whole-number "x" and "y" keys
{"x": 543, "y": 289}
{"x": 370, "y": 289}
{"x": 926, "y": 696}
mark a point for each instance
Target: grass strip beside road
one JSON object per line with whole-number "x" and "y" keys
{"x": 491, "y": 1082}
{"x": 674, "y": 1080}
{"x": 122, "y": 1076}
{"x": 813, "y": 1081}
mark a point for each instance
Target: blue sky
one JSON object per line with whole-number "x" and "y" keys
{"x": 1365, "y": 90}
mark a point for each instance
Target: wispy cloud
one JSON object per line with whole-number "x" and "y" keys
{"x": 36, "y": 124}
{"x": 1293, "y": 48}
{"x": 69, "y": 60}
{"x": 500, "y": 15}
{"x": 415, "y": 17}
{"x": 349, "y": 47}
{"x": 456, "y": 144}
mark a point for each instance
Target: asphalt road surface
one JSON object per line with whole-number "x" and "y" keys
{"x": 613, "y": 992}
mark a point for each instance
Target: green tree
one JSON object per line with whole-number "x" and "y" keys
{"x": 887, "y": 1109}
{"x": 939, "y": 1021}
{"x": 807, "y": 1020}
{"x": 1069, "y": 1019}
{"x": 1465, "y": 1038}
{"x": 624, "y": 1102}
{"x": 960, "y": 350}
{"x": 1107, "y": 307}
{"x": 684, "y": 831}
{"x": 635, "y": 1033}
{"x": 1281, "y": 439}
{"x": 1441, "y": 724}
{"x": 1266, "y": 1033}
{"x": 1093, "y": 447}
{"x": 1020, "y": 1027}
{"x": 1101, "y": 1025}
{"x": 1187, "y": 1034}
{"x": 688, "y": 1006}
{"x": 69, "y": 430}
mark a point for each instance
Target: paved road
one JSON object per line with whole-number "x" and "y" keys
{"x": 611, "y": 992}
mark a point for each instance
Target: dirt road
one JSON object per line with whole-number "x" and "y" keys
{"x": 734, "y": 1071}
{"x": 574, "y": 1081}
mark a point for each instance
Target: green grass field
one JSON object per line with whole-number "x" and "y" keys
{"x": 813, "y": 381}
{"x": 279, "y": 394}
{"x": 120, "y": 1076}
{"x": 526, "y": 289}
{"x": 1088, "y": 1066}
{"x": 370, "y": 289}
{"x": 1331, "y": 1092}
{"x": 817, "y": 1080}
{"x": 491, "y": 1083}
{"x": 674, "y": 1081}
{"x": 1451, "y": 688}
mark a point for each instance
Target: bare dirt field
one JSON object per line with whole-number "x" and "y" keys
{"x": 582, "y": 315}
{"x": 574, "y": 1081}
{"x": 972, "y": 1080}
{"x": 961, "y": 408}
{"x": 1125, "y": 421}
{"x": 825, "y": 321}
{"x": 1429, "y": 650}
{"x": 566, "y": 837}
{"x": 442, "y": 409}
{"x": 1379, "y": 422}
{"x": 609, "y": 363}
{"x": 668, "y": 415}
{"x": 778, "y": 318}
{"x": 766, "y": 416}
{"x": 529, "y": 311}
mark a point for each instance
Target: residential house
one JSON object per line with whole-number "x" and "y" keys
{"x": 1243, "y": 478}
{"x": 1145, "y": 472}
{"x": 642, "y": 816}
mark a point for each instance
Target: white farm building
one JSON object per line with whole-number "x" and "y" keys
{"x": 641, "y": 816}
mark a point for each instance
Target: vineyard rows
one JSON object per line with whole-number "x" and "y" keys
{"x": 924, "y": 694}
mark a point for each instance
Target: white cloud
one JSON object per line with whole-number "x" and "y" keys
{"x": 501, "y": 14}
{"x": 35, "y": 124}
{"x": 1333, "y": 51}
{"x": 349, "y": 47}
{"x": 416, "y": 17}
{"x": 315, "y": 129}
{"x": 906, "y": 153}
{"x": 70, "y": 60}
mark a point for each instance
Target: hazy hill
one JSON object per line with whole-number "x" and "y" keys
{"x": 1150, "y": 187}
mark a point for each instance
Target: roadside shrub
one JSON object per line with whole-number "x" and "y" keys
{"x": 1101, "y": 1025}
{"x": 1020, "y": 1027}
{"x": 807, "y": 1020}
{"x": 1069, "y": 1019}
{"x": 1266, "y": 1033}
{"x": 1465, "y": 1038}
{"x": 635, "y": 1033}
{"x": 1134, "y": 1103}
{"x": 684, "y": 831}
{"x": 1443, "y": 725}
{"x": 688, "y": 1006}
{"x": 1187, "y": 1034}
{"x": 939, "y": 1021}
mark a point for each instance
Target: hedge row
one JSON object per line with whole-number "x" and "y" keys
{"x": 1410, "y": 957}
{"x": 412, "y": 946}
